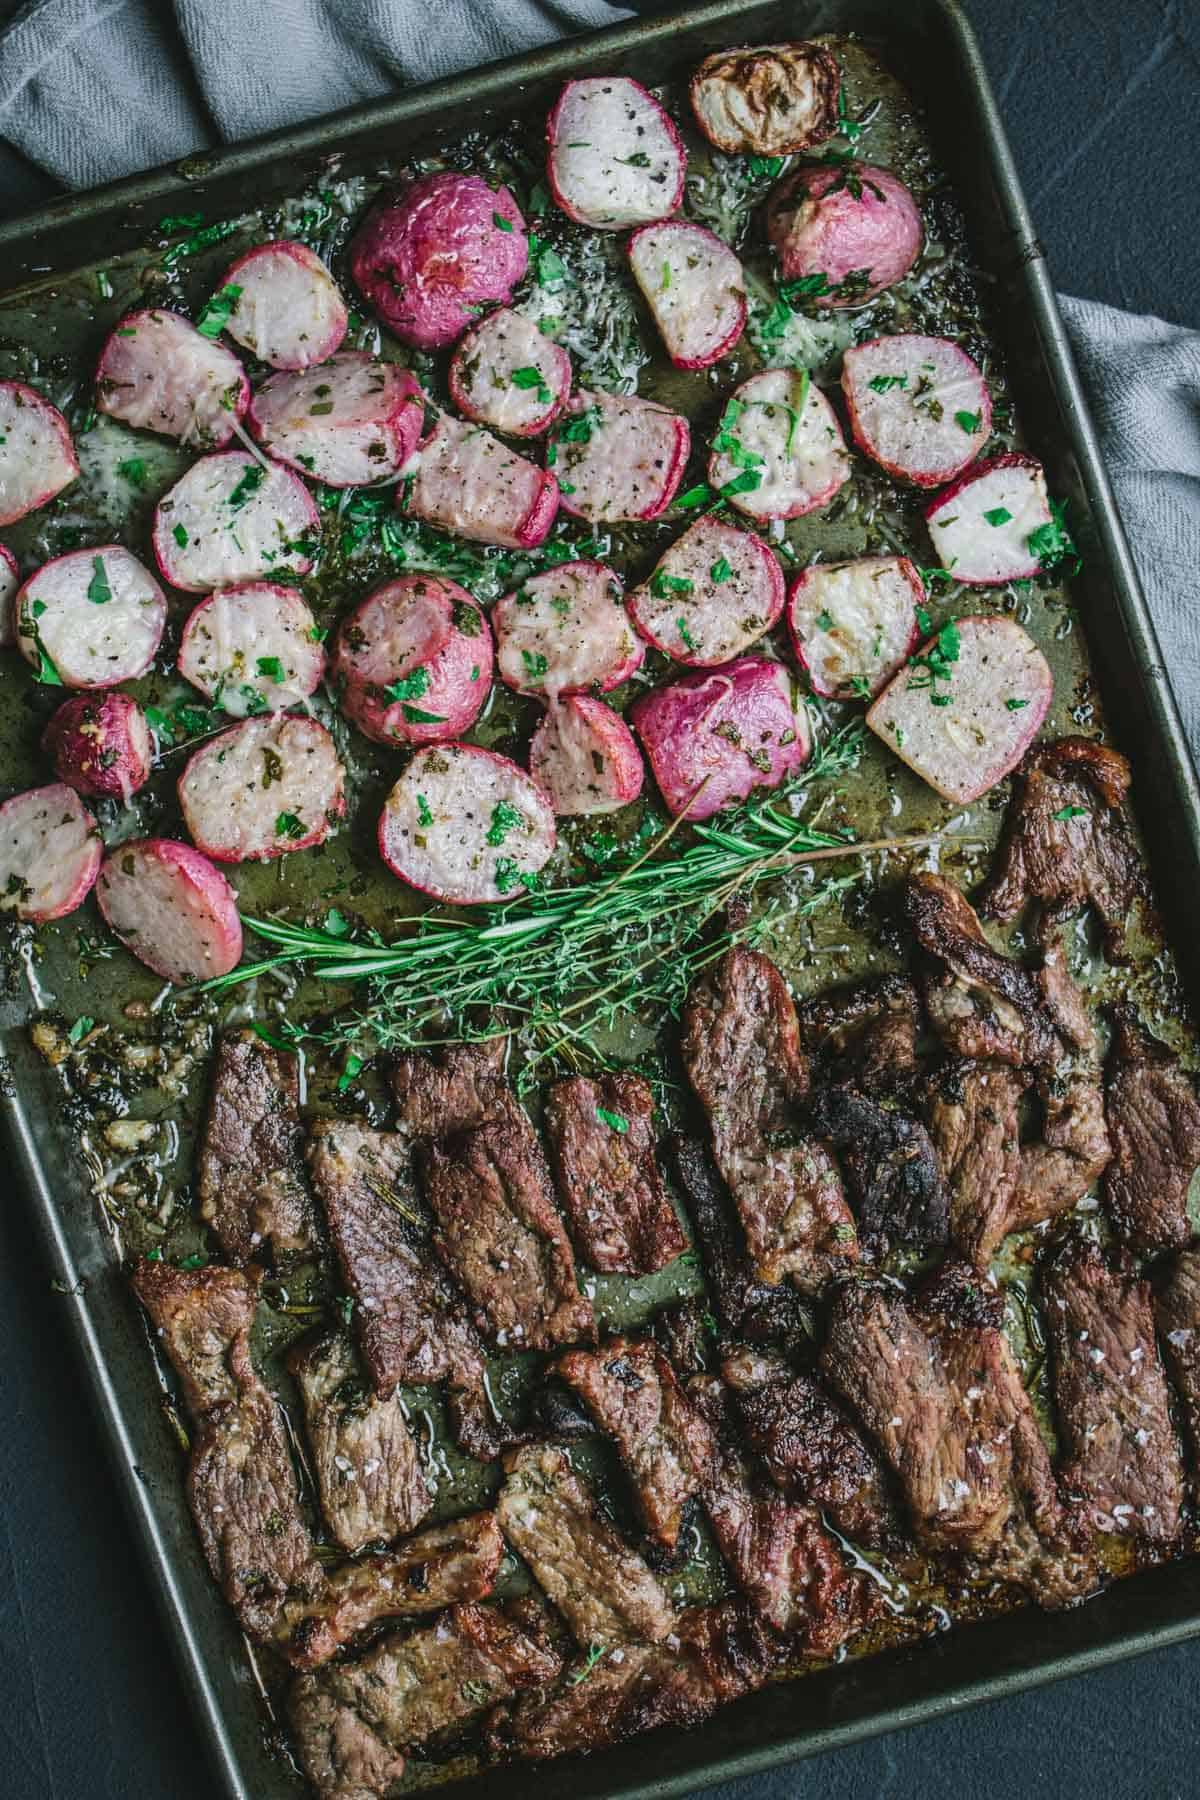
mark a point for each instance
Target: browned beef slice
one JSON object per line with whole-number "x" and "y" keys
{"x": 411, "y": 1323}
{"x": 974, "y": 1124}
{"x": 1056, "y": 1170}
{"x": 1121, "y": 1454}
{"x": 365, "y": 1459}
{"x": 686, "y": 1333}
{"x": 939, "y": 1391}
{"x": 460, "y": 1087}
{"x": 498, "y": 1230}
{"x": 1154, "y": 1123}
{"x": 808, "y": 1446}
{"x": 741, "y": 1049}
{"x": 603, "y": 1588}
{"x": 250, "y": 1174}
{"x": 441, "y": 1566}
{"x": 354, "y": 1721}
{"x": 203, "y": 1317}
{"x": 631, "y": 1391}
{"x": 1177, "y": 1312}
{"x": 1066, "y": 840}
{"x": 602, "y": 1138}
{"x": 746, "y": 1307}
{"x": 891, "y": 1169}
{"x": 865, "y": 1035}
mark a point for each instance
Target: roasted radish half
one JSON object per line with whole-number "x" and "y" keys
{"x": 231, "y": 519}
{"x": 615, "y": 159}
{"x": 585, "y": 757}
{"x": 714, "y": 736}
{"x": 618, "y": 457}
{"x": 171, "y": 909}
{"x": 50, "y": 853}
{"x": 507, "y": 374}
{"x": 283, "y": 305}
{"x": 779, "y": 450}
{"x": 10, "y": 581}
{"x": 716, "y": 590}
{"x": 694, "y": 286}
{"x": 253, "y": 648}
{"x": 565, "y": 631}
{"x": 158, "y": 373}
{"x": 767, "y": 99}
{"x": 37, "y": 457}
{"x": 413, "y": 661}
{"x": 918, "y": 405}
{"x": 981, "y": 526}
{"x": 96, "y": 615}
{"x": 100, "y": 744}
{"x": 853, "y": 624}
{"x": 352, "y": 421}
{"x": 845, "y": 231}
{"x": 469, "y": 483}
{"x": 262, "y": 789}
{"x": 466, "y": 826}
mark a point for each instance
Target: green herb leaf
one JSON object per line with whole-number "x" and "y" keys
{"x": 681, "y": 626}
{"x": 133, "y": 470}
{"x": 765, "y": 167}
{"x": 881, "y": 384}
{"x": 697, "y": 496}
{"x": 639, "y": 160}
{"x": 80, "y": 1028}
{"x": 216, "y": 314}
{"x": 1015, "y": 705}
{"x": 180, "y": 534}
{"x": 271, "y": 669}
{"x": 1053, "y": 545}
{"x": 289, "y": 826}
{"x": 721, "y": 569}
{"x": 424, "y": 816}
{"x": 970, "y": 422}
{"x": 501, "y": 223}
{"x": 251, "y": 480}
{"x": 350, "y": 1068}
{"x": 998, "y": 515}
{"x": 505, "y": 818}
{"x": 410, "y": 687}
{"x": 1071, "y": 812}
{"x": 614, "y": 1120}
{"x": 99, "y": 592}
{"x": 662, "y": 585}
{"x": 535, "y": 663}
{"x": 415, "y": 716}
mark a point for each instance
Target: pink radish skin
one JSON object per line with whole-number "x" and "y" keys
{"x": 171, "y": 909}
{"x": 630, "y": 464}
{"x": 734, "y": 593}
{"x": 469, "y": 483}
{"x": 228, "y": 520}
{"x": 352, "y": 421}
{"x": 50, "y": 853}
{"x": 37, "y": 457}
{"x": 983, "y": 551}
{"x": 911, "y": 421}
{"x": 230, "y": 636}
{"x": 101, "y": 746}
{"x": 10, "y": 581}
{"x": 990, "y": 708}
{"x": 695, "y": 287}
{"x": 435, "y": 827}
{"x": 819, "y": 227}
{"x": 263, "y": 789}
{"x": 491, "y": 375}
{"x": 768, "y": 99}
{"x": 715, "y": 736}
{"x": 158, "y": 373}
{"x": 853, "y": 624}
{"x": 790, "y": 425}
{"x": 289, "y": 312}
{"x": 426, "y": 261}
{"x": 597, "y": 129}
{"x": 93, "y": 642}
{"x": 426, "y": 636}
{"x": 585, "y": 757}
{"x": 566, "y": 631}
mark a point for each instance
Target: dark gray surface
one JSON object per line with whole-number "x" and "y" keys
{"x": 1100, "y": 99}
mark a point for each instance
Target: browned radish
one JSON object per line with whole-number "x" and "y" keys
{"x": 37, "y": 457}
{"x": 253, "y": 648}
{"x": 262, "y": 789}
{"x": 618, "y": 457}
{"x": 352, "y": 421}
{"x": 466, "y": 826}
{"x": 507, "y": 374}
{"x": 565, "y": 631}
{"x": 469, "y": 483}
{"x": 779, "y": 451}
{"x": 585, "y": 757}
{"x": 158, "y": 373}
{"x": 846, "y": 230}
{"x": 50, "y": 853}
{"x": 230, "y": 519}
{"x": 853, "y": 624}
{"x": 172, "y": 909}
{"x": 10, "y": 581}
{"x": 767, "y": 99}
{"x": 982, "y": 525}
{"x": 917, "y": 405}
{"x": 966, "y": 708}
{"x": 714, "y": 736}
{"x": 615, "y": 159}
{"x": 715, "y": 591}
{"x": 283, "y": 305}
{"x": 694, "y": 286}
{"x": 100, "y": 744}
{"x": 96, "y": 615}
{"x": 413, "y": 661}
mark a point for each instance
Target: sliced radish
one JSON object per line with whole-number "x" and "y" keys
{"x": 466, "y": 826}
{"x": 917, "y": 405}
{"x": 98, "y": 615}
{"x": 566, "y": 630}
{"x": 101, "y": 744}
{"x": 965, "y": 710}
{"x": 253, "y": 648}
{"x": 229, "y": 519}
{"x": 172, "y": 909}
{"x": 615, "y": 158}
{"x": 353, "y": 421}
{"x": 618, "y": 457}
{"x": 714, "y": 736}
{"x": 37, "y": 457}
{"x": 585, "y": 757}
{"x": 507, "y": 374}
{"x": 158, "y": 373}
{"x": 262, "y": 789}
{"x": 853, "y": 624}
{"x": 413, "y": 661}
{"x": 981, "y": 526}
{"x": 695, "y": 287}
{"x": 715, "y": 591}
{"x": 767, "y": 99}
{"x": 470, "y": 483}
{"x": 50, "y": 852}
{"x": 779, "y": 451}
{"x": 286, "y": 309}
{"x": 10, "y": 581}
{"x": 845, "y": 230}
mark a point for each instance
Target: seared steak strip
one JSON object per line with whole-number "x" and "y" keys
{"x": 686, "y": 1333}
{"x": 741, "y": 1049}
{"x": 250, "y": 1174}
{"x": 602, "y": 1139}
{"x": 1154, "y": 1122}
{"x": 1177, "y": 1313}
{"x": 975, "y": 1127}
{"x": 746, "y": 1307}
{"x": 891, "y": 1169}
{"x": 1122, "y": 1455}
{"x": 864, "y": 1035}
{"x": 459, "y": 1087}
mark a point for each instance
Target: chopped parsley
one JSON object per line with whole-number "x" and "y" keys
{"x": 251, "y": 479}
{"x": 271, "y": 669}
{"x": 410, "y": 687}
{"x": 614, "y": 1120}
{"x": 970, "y": 422}
{"x": 530, "y": 377}
{"x": 180, "y": 534}
{"x": 99, "y": 592}
{"x": 215, "y": 317}
{"x": 424, "y": 816}
{"x": 289, "y": 826}
{"x": 998, "y": 515}
{"x": 662, "y": 585}
{"x": 505, "y": 818}
{"x": 1071, "y": 812}
{"x": 681, "y": 626}
{"x": 350, "y": 1068}
{"x": 765, "y": 167}
{"x": 937, "y": 662}
{"x": 596, "y": 1653}
{"x": 535, "y": 663}
{"x": 882, "y": 384}
{"x": 721, "y": 569}
{"x": 80, "y": 1028}
{"x": 1053, "y": 544}
{"x": 639, "y": 160}
{"x": 133, "y": 470}
{"x": 1015, "y": 705}
{"x": 501, "y": 223}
